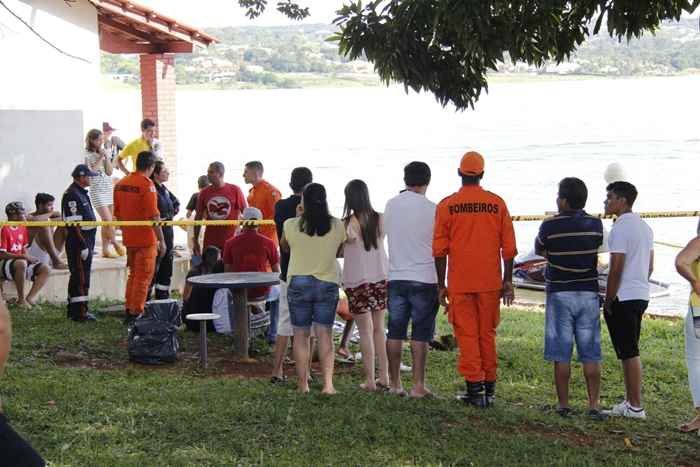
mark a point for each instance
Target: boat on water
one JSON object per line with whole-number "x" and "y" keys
{"x": 529, "y": 270}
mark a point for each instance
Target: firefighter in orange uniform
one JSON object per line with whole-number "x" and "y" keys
{"x": 263, "y": 195}
{"x": 135, "y": 199}
{"x": 473, "y": 228}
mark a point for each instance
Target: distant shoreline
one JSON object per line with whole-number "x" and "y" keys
{"x": 331, "y": 81}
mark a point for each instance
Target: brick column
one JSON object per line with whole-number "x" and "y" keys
{"x": 158, "y": 104}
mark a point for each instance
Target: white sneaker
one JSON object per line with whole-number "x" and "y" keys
{"x": 405, "y": 368}
{"x": 624, "y": 409}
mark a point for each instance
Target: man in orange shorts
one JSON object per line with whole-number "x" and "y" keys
{"x": 474, "y": 229}
{"x": 263, "y": 195}
{"x": 135, "y": 199}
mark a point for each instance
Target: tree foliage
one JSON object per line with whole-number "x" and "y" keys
{"x": 448, "y": 46}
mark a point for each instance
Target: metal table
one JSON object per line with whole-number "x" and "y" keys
{"x": 237, "y": 283}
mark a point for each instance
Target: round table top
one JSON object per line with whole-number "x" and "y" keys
{"x": 235, "y": 280}
{"x": 203, "y": 316}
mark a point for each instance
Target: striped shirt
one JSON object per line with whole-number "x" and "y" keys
{"x": 570, "y": 241}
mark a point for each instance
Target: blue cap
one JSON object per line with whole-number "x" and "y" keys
{"x": 82, "y": 170}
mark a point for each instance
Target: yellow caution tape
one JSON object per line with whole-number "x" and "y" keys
{"x": 646, "y": 215}
{"x": 179, "y": 223}
{"x": 191, "y": 223}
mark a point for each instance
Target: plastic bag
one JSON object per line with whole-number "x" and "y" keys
{"x": 153, "y": 342}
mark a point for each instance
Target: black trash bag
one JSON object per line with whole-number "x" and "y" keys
{"x": 153, "y": 342}
{"x": 167, "y": 310}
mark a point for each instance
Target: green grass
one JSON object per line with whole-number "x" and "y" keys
{"x": 69, "y": 389}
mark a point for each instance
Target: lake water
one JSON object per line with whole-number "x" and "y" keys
{"x": 531, "y": 133}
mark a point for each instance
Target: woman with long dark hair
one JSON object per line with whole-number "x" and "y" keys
{"x": 168, "y": 206}
{"x": 365, "y": 275}
{"x": 102, "y": 190}
{"x": 314, "y": 240}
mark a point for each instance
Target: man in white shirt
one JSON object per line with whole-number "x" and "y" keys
{"x": 631, "y": 244}
{"x": 409, "y": 219}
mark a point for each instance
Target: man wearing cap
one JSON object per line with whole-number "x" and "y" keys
{"x": 112, "y": 144}
{"x": 474, "y": 229}
{"x": 80, "y": 242}
{"x": 251, "y": 251}
{"x": 15, "y": 264}
{"x": 135, "y": 199}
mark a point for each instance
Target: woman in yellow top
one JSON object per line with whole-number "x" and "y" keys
{"x": 688, "y": 266}
{"x": 314, "y": 240}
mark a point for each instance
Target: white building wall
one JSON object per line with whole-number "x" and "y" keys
{"x": 47, "y": 100}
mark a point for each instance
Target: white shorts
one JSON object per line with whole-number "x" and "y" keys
{"x": 7, "y": 270}
{"x": 284, "y": 322}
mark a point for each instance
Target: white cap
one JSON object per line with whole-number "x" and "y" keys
{"x": 251, "y": 214}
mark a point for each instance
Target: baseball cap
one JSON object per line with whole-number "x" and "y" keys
{"x": 82, "y": 170}
{"x": 472, "y": 163}
{"x": 250, "y": 214}
{"x": 107, "y": 127}
{"x": 14, "y": 207}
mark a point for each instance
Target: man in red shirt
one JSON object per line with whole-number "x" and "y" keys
{"x": 135, "y": 199}
{"x": 219, "y": 201}
{"x": 263, "y": 195}
{"x": 15, "y": 264}
{"x": 474, "y": 229}
{"x": 251, "y": 251}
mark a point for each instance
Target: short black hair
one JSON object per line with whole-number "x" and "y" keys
{"x": 218, "y": 166}
{"x": 301, "y": 176}
{"x": 147, "y": 123}
{"x": 416, "y": 174}
{"x": 255, "y": 165}
{"x": 202, "y": 181}
{"x": 574, "y": 191}
{"x": 624, "y": 190}
{"x": 145, "y": 160}
{"x": 471, "y": 179}
{"x": 43, "y": 198}
{"x": 157, "y": 168}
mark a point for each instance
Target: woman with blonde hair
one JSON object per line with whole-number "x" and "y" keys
{"x": 102, "y": 190}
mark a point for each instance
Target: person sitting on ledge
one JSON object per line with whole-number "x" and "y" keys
{"x": 15, "y": 264}
{"x": 46, "y": 242}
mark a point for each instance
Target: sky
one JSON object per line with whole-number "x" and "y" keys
{"x": 220, "y": 13}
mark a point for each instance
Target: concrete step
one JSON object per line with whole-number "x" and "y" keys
{"x": 107, "y": 281}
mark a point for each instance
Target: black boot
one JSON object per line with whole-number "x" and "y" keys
{"x": 490, "y": 389}
{"x": 476, "y": 395}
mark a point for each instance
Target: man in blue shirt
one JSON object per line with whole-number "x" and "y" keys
{"x": 80, "y": 242}
{"x": 570, "y": 242}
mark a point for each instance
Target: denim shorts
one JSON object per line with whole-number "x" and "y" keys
{"x": 416, "y": 302}
{"x": 312, "y": 301}
{"x": 572, "y": 316}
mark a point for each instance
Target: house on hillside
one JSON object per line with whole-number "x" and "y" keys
{"x": 49, "y": 87}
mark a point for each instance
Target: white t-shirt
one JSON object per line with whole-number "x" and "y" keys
{"x": 409, "y": 219}
{"x": 633, "y": 237}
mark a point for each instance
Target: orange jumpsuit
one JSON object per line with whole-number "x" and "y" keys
{"x": 474, "y": 230}
{"x": 264, "y": 196}
{"x": 135, "y": 199}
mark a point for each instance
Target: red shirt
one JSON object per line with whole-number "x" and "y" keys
{"x": 135, "y": 199}
{"x": 251, "y": 251}
{"x": 218, "y": 204}
{"x": 14, "y": 240}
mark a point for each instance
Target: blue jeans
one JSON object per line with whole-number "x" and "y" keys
{"x": 416, "y": 302}
{"x": 274, "y": 316}
{"x": 572, "y": 316}
{"x": 312, "y": 301}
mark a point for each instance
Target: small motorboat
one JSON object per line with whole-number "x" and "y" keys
{"x": 529, "y": 270}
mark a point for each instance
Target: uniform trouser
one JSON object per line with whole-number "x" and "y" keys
{"x": 79, "y": 281}
{"x": 141, "y": 262}
{"x": 14, "y": 450}
{"x": 474, "y": 318}
{"x": 164, "y": 267}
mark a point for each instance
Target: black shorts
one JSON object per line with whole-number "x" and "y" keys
{"x": 625, "y": 325}
{"x": 14, "y": 450}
